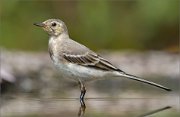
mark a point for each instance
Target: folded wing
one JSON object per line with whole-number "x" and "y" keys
{"x": 91, "y": 60}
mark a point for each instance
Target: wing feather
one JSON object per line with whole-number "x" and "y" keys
{"x": 90, "y": 60}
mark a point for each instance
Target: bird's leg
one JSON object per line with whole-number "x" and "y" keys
{"x": 83, "y": 90}
{"x": 82, "y": 109}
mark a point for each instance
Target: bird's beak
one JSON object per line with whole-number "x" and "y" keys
{"x": 39, "y": 24}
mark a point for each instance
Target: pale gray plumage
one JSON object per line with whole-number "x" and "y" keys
{"x": 76, "y": 61}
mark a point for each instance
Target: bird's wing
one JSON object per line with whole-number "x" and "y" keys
{"x": 81, "y": 55}
{"x": 91, "y": 60}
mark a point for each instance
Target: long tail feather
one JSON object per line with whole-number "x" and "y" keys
{"x": 143, "y": 80}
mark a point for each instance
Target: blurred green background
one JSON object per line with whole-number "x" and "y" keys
{"x": 115, "y": 25}
{"x": 100, "y": 24}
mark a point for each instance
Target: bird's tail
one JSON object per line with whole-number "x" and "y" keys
{"x": 142, "y": 80}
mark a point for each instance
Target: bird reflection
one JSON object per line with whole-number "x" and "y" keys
{"x": 155, "y": 111}
{"x": 82, "y": 108}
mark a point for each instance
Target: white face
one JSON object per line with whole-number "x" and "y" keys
{"x": 53, "y": 27}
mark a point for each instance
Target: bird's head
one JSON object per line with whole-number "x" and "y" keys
{"x": 54, "y": 27}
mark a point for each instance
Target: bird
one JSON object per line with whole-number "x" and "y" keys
{"x": 76, "y": 61}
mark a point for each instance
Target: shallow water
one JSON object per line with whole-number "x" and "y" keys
{"x": 92, "y": 107}
{"x": 107, "y": 98}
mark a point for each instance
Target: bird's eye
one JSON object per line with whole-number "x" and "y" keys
{"x": 53, "y": 24}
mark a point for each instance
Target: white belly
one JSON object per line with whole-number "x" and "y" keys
{"x": 81, "y": 73}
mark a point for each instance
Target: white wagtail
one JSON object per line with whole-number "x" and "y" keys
{"x": 76, "y": 61}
